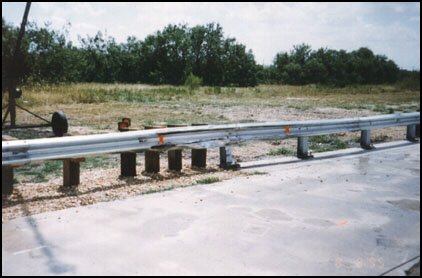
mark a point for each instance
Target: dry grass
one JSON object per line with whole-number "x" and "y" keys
{"x": 263, "y": 94}
{"x": 102, "y": 105}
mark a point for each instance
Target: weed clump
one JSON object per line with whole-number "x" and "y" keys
{"x": 193, "y": 82}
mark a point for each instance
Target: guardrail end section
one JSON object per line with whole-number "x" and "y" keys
{"x": 6, "y": 180}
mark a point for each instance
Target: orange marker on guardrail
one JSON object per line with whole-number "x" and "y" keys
{"x": 161, "y": 139}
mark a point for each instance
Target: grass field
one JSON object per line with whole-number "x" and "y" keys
{"x": 100, "y": 106}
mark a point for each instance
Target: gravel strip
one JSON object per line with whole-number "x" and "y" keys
{"x": 101, "y": 185}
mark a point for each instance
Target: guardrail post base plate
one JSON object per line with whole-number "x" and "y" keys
{"x": 6, "y": 180}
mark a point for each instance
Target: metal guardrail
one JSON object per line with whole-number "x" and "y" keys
{"x": 74, "y": 149}
{"x": 19, "y": 152}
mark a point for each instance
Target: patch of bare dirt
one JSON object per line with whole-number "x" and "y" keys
{"x": 279, "y": 114}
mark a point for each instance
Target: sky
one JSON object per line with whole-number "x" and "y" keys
{"x": 390, "y": 29}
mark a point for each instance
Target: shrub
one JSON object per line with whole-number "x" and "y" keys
{"x": 193, "y": 82}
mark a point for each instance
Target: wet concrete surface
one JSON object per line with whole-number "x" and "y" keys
{"x": 349, "y": 212}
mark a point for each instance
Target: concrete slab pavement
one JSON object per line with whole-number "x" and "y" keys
{"x": 348, "y": 212}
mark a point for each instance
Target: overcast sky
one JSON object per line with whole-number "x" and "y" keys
{"x": 391, "y": 29}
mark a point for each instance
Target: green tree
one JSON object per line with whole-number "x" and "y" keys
{"x": 94, "y": 51}
{"x": 22, "y": 66}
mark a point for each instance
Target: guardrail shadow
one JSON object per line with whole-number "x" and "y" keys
{"x": 54, "y": 266}
{"x": 329, "y": 155}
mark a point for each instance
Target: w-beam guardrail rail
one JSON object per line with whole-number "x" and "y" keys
{"x": 74, "y": 149}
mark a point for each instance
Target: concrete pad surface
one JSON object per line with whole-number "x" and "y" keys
{"x": 350, "y": 212}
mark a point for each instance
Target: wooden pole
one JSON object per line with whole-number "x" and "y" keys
{"x": 13, "y": 71}
{"x": 199, "y": 156}
{"x": 71, "y": 171}
{"x": 152, "y": 158}
{"x": 175, "y": 160}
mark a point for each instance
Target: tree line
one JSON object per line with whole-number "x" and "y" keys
{"x": 330, "y": 67}
{"x": 173, "y": 54}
